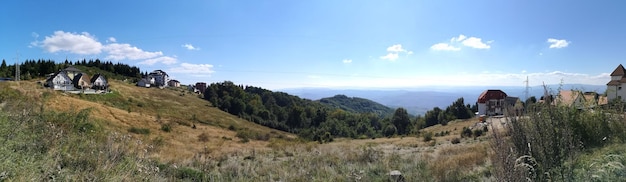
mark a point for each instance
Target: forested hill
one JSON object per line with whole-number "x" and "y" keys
{"x": 356, "y": 104}
{"x": 309, "y": 119}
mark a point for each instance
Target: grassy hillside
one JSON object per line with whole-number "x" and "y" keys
{"x": 148, "y": 134}
{"x": 356, "y": 104}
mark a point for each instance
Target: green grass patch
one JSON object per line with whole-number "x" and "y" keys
{"x": 143, "y": 131}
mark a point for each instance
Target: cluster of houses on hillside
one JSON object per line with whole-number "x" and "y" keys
{"x": 494, "y": 102}
{"x": 73, "y": 79}
{"x": 159, "y": 79}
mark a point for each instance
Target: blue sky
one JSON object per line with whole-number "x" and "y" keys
{"x": 280, "y": 44}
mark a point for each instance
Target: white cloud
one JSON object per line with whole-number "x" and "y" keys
{"x": 558, "y": 43}
{"x": 165, "y": 60}
{"x": 190, "y": 47}
{"x": 34, "y": 35}
{"x": 76, "y": 43}
{"x": 347, "y": 61}
{"x": 396, "y": 48}
{"x": 126, "y": 51}
{"x": 390, "y": 56}
{"x": 469, "y": 79}
{"x": 462, "y": 40}
{"x": 476, "y": 43}
{"x": 393, "y": 52}
{"x": 444, "y": 47}
{"x": 188, "y": 68}
{"x": 87, "y": 44}
{"x": 458, "y": 39}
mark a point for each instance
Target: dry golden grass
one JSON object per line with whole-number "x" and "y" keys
{"x": 150, "y": 108}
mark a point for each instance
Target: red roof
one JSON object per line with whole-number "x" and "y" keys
{"x": 491, "y": 94}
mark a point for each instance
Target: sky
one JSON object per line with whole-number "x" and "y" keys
{"x": 279, "y": 44}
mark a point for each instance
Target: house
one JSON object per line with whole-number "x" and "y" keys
{"x": 99, "y": 82}
{"x": 579, "y": 100}
{"x": 145, "y": 82}
{"x": 81, "y": 81}
{"x": 173, "y": 83}
{"x": 616, "y": 88}
{"x": 201, "y": 86}
{"x": 570, "y": 98}
{"x": 192, "y": 88}
{"x": 491, "y": 102}
{"x": 160, "y": 78}
{"x": 71, "y": 71}
{"x": 60, "y": 81}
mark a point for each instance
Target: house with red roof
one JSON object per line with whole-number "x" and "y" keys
{"x": 616, "y": 88}
{"x": 492, "y": 102}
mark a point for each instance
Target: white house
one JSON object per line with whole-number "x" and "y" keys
{"x": 60, "y": 81}
{"x": 160, "y": 78}
{"x": 616, "y": 88}
{"x": 492, "y": 102}
{"x": 99, "y": 82}
{"x": 145, "y": 82}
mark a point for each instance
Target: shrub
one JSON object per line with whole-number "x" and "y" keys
{"x": 466, "y": 132}
{"x": 166, "y": 127}
{"x": 143, "y": 131}
{"x": 478, "y": 133}
{"x": 203, "y": 137}
{"x": 428, "y": 136}
{"x": 190, "y": 174}
{"x": 456, "y": 140}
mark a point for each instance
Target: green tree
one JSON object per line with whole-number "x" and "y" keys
{"x": 401, "y": 120}
{"x": 4, "y": 69}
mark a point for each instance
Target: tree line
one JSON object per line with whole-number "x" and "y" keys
{"x": 320, "y": 121}
{"x": 31, "y": 69}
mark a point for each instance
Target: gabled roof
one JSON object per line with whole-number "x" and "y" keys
{"x": 57, "y": 74}
{"x": 568, "y": 97}
{"x": 95, "y": 77}
{"x": 619, "y": 71}
{"x": 72, "y": 69}
{"x": 491, "y": 94}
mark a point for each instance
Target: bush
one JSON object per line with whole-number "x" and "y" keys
{"x": 466, "y": 132}
{"x": 203, "y": 137}
{"x": 143, "y": 131}
{"x": 191, "y": 174}
{"x": 428, "y": 136}
{"x": 478, "y": 133}
{"x": 166, "y": 127}
{"x": 456, "y": 140}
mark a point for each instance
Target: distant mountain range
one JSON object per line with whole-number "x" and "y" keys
{"x": 419, "y": 100}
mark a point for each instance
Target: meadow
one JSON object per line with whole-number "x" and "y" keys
{"x": 137, "y": 134}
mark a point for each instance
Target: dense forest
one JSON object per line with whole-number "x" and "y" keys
{"x": 31, "y": 69}
{"x": 356, "y": 104}
{"x": 335, "y": 117}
